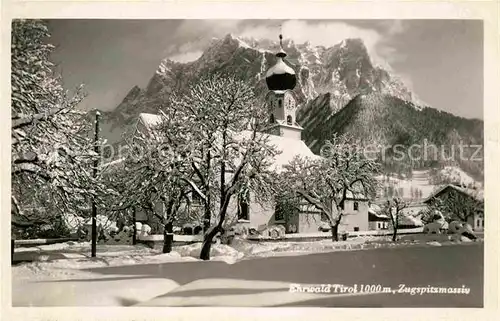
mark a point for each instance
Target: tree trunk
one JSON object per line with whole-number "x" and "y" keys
{"x": 224, "y": 201}
{"x": 208, "y": 206}
{"x": 394, "y": 233}
{"x": 206, "y": 217}
{"x": 134, "y": 235}
{"x": 207, "y": 243}
{"x": 335, "y": 232}
{"x": 168, "y": 237}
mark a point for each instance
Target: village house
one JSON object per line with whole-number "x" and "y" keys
{"x": 377, "y": 220}
{"x": 476, "y": 197}
{"x": 409, "y": 217}
{"x": 285, "y": 134}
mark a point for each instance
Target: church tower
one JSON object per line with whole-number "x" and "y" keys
{"x": 281, "y": 102}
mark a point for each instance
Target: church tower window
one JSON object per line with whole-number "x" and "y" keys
{"x": 289, "y": 120}
{"x": 272, "y": 120}
{"x": 280, "y": 103}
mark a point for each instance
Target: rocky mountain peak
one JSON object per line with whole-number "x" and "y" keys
{"x": 339, "y": 73}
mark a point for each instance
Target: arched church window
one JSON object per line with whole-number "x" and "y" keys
{"x": 271, "y": 119}
{"x": 280, "y": 102}
{"x": 289, "y": 120}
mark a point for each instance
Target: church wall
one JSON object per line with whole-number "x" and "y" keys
{"x": 293, "y": 133}
{"x": 261, "y": 214}
{"x": 309, "y": 222}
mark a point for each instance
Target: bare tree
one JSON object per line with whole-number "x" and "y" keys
{"x": 327, "y": 182}
{"x": 394, "y": 209}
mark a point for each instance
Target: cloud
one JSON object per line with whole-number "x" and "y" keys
{"x": 186, "y": 56}
{"x": 317, "y": 33}
{"x": 193, "y": 36}
{"x": 391, "y": 29}
{"x": 330, "y": 33}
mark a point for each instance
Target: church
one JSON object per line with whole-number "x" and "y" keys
{"x": 285, "y": 134}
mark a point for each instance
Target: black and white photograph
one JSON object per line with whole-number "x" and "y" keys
{"x": 333, "y": 163}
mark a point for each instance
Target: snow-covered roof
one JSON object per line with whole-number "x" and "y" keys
{"x": 375, "y": 216}
{"x": 374, "y": 209}
{"x": 410, "y": 220}
{"x": 288, "y": 148}
{"x": 356, "y": 196}
{"x": 474, "y": 193}
{"x": 280, "y": 68}
{"x": 150, "y": 120}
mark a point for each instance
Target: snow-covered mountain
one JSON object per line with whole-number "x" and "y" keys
{"x": 377, "y": 103}
{"x": 337, "y": 73}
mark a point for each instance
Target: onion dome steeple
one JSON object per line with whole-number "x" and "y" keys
{"x": 281, "y": 76}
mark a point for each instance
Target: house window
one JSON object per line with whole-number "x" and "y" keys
{"x": 271, "y": 119}
{"x": 356, "y": 206}
{"x": 341, "y": 206}
{"x": 289, "y": 120}
{"x": 478, "y": 223}
{"x": 356, "y": 229}
{"x": 278, "y": 213}
{"x": 243, "y": 209}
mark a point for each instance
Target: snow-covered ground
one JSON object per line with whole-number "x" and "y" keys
{"x": 77, "y": 255}
{"x": 421, "y": 180}
{"x": 67, "y": 282}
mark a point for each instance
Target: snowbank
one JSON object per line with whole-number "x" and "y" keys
{"x": 113, "y": 291}
{"x": 55, "y": 247}
{"x": 218, "y": 252}
{"x": 240, "y": 249}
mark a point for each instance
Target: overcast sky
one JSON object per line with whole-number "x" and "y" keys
{"x": 440, "y": 60}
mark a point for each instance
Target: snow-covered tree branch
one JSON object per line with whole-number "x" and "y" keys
{"x": 325, "y": 183}
{"x": 51, "y": 148}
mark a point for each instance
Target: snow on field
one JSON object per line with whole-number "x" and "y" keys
{"x": 421, "y": 180}
{"x": 113, "y": 290}
{"x": 457, "y": 175}
{"x": 78, "y": 256}
{"x": 72, "y": 267}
